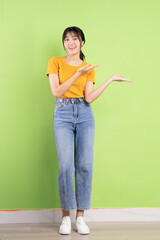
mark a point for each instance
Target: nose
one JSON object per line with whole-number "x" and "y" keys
{"x": 71, "y": 42}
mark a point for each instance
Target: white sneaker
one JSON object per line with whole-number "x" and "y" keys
{"x": 81, "y": 226}
{"x": 65, "y": 227}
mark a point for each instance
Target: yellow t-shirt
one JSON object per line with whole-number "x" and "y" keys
{"x": 65, "y": 71}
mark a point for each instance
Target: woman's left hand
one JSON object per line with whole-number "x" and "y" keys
{"x": 119, "y": 78}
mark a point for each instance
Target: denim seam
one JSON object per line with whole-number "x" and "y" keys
{"x": 69, "y": 208}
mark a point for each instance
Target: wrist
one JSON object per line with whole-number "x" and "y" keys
{"x": 109, "y": 80}
{"x": 78, "y": 74}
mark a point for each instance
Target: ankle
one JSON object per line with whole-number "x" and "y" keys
{"x": 80, "y": 213}
{"x": 65, "y": 213}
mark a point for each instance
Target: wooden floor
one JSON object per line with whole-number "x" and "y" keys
{"x": 98, "y": 231}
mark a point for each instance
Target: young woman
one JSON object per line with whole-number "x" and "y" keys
{"x": 71, "y": 81}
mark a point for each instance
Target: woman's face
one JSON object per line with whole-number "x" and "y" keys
{"x": 72, "y": 43}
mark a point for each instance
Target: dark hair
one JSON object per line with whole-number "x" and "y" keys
{"x": 79, "y": 34}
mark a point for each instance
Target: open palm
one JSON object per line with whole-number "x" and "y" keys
{"x": 119, "y": 78}
{"x": 86, "y": 68}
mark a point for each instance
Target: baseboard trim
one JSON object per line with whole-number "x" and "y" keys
{"x": 91, "y": 215}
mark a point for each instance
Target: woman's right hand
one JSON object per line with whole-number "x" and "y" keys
{"x": 86, "y": 68}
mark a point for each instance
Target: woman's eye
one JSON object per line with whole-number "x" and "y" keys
{"x": 68, "y": 39}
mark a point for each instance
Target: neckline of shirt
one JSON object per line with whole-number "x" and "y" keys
{"x": 72, "y": 65}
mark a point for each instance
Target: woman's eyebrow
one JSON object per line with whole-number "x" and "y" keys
{"x": 72, "y": 36}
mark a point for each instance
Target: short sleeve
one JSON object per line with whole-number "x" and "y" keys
{"x": 91, "y": 75}
{"x": 52, "y": 66}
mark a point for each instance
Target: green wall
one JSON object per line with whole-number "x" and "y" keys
{"x": 123, "y": 38}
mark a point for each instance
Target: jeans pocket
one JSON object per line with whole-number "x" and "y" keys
{"x": 85, "y": 103}
{"x": 58, "y": 105}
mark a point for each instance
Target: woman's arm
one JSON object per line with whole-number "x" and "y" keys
{"x": 91, "y": 94}
{"x": 59, "y": 89}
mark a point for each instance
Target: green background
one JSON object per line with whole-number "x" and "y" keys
{"x": 123, "y": 38}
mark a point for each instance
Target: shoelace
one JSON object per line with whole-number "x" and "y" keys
{"x": 81, "y": 219}
{"x": 64, "y": 220}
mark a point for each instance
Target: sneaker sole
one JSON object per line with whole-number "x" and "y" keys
{"x": 64, "y": 233}
{"x": 81, "y": 232}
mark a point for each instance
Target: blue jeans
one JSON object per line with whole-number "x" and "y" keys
{"x": 74, "y": 131}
